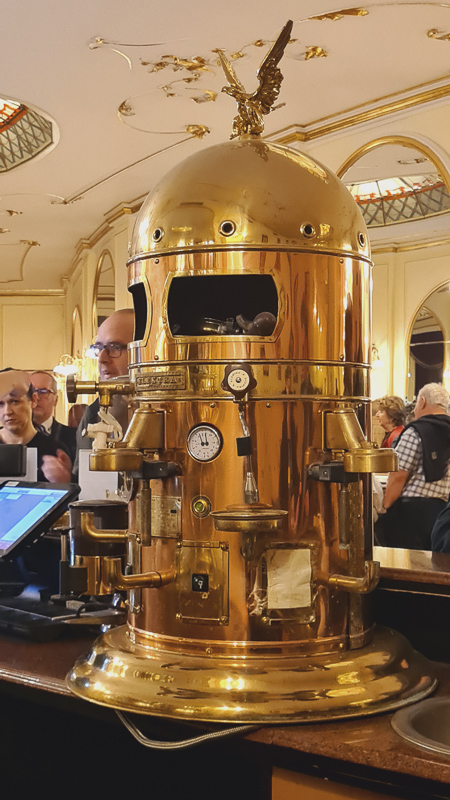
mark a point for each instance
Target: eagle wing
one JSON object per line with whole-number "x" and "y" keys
{"x": 269, "y": 75}
{"x": 230, "y": 74}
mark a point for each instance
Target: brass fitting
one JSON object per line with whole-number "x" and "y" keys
{"x": 152, "y": 580}
{"x": 104, "y": 389}
{"x": 357, "y": 585}
{"x": 342, "y": 432}
{"x": 89, "y": 530}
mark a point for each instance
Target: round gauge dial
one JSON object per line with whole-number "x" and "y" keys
{"x": 204, "y": 443}
{"x": 238, "y": 380}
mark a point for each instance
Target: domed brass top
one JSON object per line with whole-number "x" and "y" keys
{"x": 249, "y": 194}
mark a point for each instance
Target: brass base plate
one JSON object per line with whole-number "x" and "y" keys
{"x": 382, "y": 676}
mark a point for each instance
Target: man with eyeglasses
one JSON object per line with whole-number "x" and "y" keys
{"x": 110, "y": 347}
{"x": 46, "y": 390}
{"x": 17, "y": 400}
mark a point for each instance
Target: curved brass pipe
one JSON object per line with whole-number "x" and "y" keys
{"x": 108, "y": 535}
{"x": 357, "y": 585}
{"x": 153, "y": 580}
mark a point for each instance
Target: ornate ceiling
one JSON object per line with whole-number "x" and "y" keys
{"x": 133, "y": 88}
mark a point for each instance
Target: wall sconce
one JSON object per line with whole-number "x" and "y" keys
{"x": 68, "y": 365}
{"x": 377, "y": 362}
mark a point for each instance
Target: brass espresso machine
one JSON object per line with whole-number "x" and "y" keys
{"x": 247, "y": 560}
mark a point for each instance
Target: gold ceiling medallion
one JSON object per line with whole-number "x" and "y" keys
{"x": 334, "y": 16}
{"x": 440, "y": 35}
{"x": 251, "y": 107}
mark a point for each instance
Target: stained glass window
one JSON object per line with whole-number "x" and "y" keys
{"x": 23, "y": 134}
{"x": 395, "y": 200}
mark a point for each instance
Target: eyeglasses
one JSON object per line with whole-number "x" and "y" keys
{"x": 113, "y": 350}
{"x": 44, "y": 392}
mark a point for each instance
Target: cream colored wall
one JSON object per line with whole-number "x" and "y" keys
{"x": 401, "y": 282}
{"x": 32, "y": 331}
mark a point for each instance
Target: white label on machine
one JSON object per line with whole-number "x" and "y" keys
{"x": 288, "y": 578}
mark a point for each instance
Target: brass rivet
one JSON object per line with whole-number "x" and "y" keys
{"x": 208, "y": 651}
{"x": 223, "y": 620}
{"x": 156, "y": 260}
{"x": 156, "y": 358}
{"x": 212, "y": 405}
{"x": 178, "y": 617}
{"x": 268, "y": 405}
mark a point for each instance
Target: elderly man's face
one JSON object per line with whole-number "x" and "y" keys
{"x": 117, "y": 329}
{"x": 16, "y": 410}
{"x": 46, "y": 398}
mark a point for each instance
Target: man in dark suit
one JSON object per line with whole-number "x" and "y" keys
{"x": 46, "y": 390}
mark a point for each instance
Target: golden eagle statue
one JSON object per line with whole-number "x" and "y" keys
{"x": 251, "y": 107}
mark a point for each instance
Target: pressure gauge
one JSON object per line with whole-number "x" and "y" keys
{"x": 204, "y": 443}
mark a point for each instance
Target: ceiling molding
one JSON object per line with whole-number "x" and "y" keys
{"x": 32, "y": 293}
{"x": 114, "y": 214}
{"x": 353, "y": 117}
{"x": 404, "y": 248}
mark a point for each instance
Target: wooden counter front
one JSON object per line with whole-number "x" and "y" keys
{"x": 360, "y": 753}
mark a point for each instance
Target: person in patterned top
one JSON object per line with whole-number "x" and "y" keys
{"x": 419, "y": 490}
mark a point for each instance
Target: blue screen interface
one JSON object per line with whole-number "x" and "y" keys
{"x": 21, "y": 508}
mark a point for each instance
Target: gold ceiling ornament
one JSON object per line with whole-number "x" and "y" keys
{"x": 175, "y": 63}
{"x": 251, "y": 107}
{"x": 334, "y": 16}
{"x": 440, "y": 35}
{"x": 29, "y": 243}
{"x": 99, "y": 42}
{"x": 126, "y": 110}
{"x": 206, "y": 97}
{"x": 202, "y": 96}
{"x": 199, "y": 131}
{"x": 315, "y": 52}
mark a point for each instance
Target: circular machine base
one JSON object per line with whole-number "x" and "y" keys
{"x": 382, "y": 676}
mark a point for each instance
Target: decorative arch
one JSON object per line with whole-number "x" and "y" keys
{"x": 76, "y": 341}
{"x": 107, "y": 297}
{"x": 440, "y": 286}
{"x": 405, "y": 141}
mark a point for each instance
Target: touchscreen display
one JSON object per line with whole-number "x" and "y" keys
{"x": 25, "y": 509}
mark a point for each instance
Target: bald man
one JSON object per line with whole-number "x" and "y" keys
{"x": 17, "y": 401}
{"x": 110, "y": 347}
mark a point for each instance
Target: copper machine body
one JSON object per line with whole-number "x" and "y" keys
{"x": 248, "y": 455}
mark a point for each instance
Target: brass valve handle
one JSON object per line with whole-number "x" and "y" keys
{"x": 105, "y": 389}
